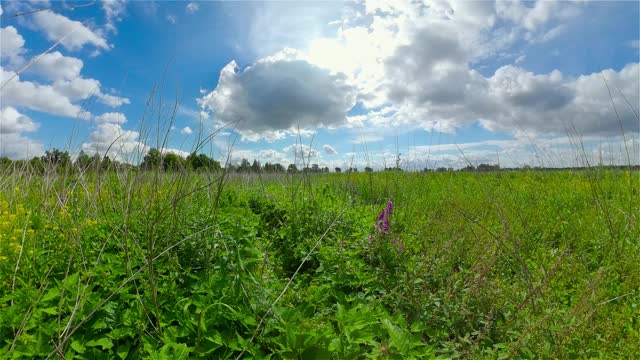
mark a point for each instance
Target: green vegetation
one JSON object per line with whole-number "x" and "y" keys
{"x": 167, "y": 263}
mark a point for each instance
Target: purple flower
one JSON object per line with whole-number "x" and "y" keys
{"x": 384, "y": 217}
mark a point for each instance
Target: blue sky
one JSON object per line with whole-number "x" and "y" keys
{"x": 340, "y": 83}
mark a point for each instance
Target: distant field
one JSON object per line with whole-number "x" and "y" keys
{"x": 174, "y": 265}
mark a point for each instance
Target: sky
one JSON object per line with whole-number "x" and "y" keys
{"x": 340, "y": 84}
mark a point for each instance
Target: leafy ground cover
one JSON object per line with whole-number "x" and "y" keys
{"x": 175, "y": 265}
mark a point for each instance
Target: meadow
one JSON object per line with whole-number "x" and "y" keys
{"x": 385, "y": 265}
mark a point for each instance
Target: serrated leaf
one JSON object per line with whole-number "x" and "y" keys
{"x": 50, "y": 310}
{"x": 77, "y": 346}
{"x": 105, "y": 343}
{"x": 122, "y": 351}
{"x": 51, "y": 294}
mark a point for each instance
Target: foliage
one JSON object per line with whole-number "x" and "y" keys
{"x": 169, "y": 265}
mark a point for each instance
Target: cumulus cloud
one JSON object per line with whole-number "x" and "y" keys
{"x": 11, "y": 45}
{"x": 11, "y": 122}
{"x": 329, "y": 149}
{"x": 56, "y": 26}
{"x": 171, "y": 19}
{"x": 186, "y": 130}
{"x": 112, "y": 117}
{"x": 301, "y": 151}
{"x": 12, "y": 142}
{"x": 192, "y": 8}
{"x": 55, "y": 66}
{"x": 542, "y": 12}
{"x": 277, "y": 95}
{"x": 423, "y": 73}
{"x": 35, "y": 96}
{"x": 112, "y": 140}
{"x": 18, "y": 147}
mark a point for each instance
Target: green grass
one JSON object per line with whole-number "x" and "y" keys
{"x": 179, "y": 265}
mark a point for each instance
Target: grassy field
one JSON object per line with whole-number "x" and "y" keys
{"x": 521, "y": 264}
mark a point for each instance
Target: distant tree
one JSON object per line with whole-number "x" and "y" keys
{"x": 273, "y": 168}
{"x": 37, "y": 165}
{"x": 279, "y": 168}
{"x": 488, "y": 167}
{"x": 441, "y": 169}
{"x": 368, "y": 169}
{"x": 5, "y": 162}
{"x": 202, "y": 162}
{"x": 338, "y": 170}
{"x": 152, "y": 160}
{"x": 315, "y": 168}
{"x": 292, "y": 169}
{"x": 255, "y": 167}
{"x": 244, "y": 166}
{"x": 172, "y": 161}
{"x": 325, "y": 169}
{"x": 57, "y": 158}
{"x": 468, "y": 168}
{"x": 106, "y": 163}
{"x": 83, "y": 161}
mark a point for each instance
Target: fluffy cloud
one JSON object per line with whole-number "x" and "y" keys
{"x": 18, "y": 147}
{"x": 113, "y": 12}
{"x": 542, "y": 12}
{"x": 12, "y": 143}
{"x": 301, "y": 151}
{"x": 11, "y": 45}
{"x": 56, "y": 26}
{"x": 11, "y": 122}
{"x": 35, "y": 96}
{"x": 422, "y": 75}
{"x": 192, "y": 8}
{"x": 56, "y": 66}
{"x": 186, "y": 131}
{"x": 278, "y": 95}
{"x": 329, "y": 149}
{"x": 119, "y": 144}
{"x": 112, "y": 117}
{"x": 112, "y": 100}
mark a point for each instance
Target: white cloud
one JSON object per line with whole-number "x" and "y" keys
{"x": 192, "y": 8}
{"x": 11, "y": 122}
{"x": 171, "y": 19}
{"x": 77, "y": 88}
{"x": 301, "y": 151}
{"x": 12, "y": 143}
{"x": 277, "y": 96}
{"x": 542, "y": 12}
{"x": 56, "y": 66}
{"x": 56, "y": 26}
{"x": 119, "y": 144}
{"x": 11, "y": 45}
{"x": 263, "y": 156}
{"x": 18, "y": 147}
{"x": 329, "y": 149}
{"x": 181, "y": 153}
{"x": 186, "y": 130}
{"x": 35, "y": 96}
{"x": 112, "y": 117}
{"x": 112, "y": 100}
{"x": 113, "y": 12}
